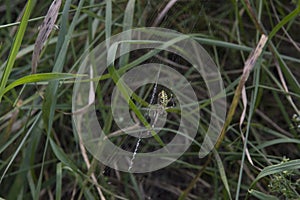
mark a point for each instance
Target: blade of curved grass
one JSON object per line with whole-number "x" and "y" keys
{"x": 60, "y": 154}
{"x": 222, "y": 172}
{"x": 262, "y": 196}
{"x": 273, "y": 169}
{"x": 278, "y": 141}
{"x": 16, "y": 45}
{"x": 285, "y": 20}
{"x": 33, "y": 78}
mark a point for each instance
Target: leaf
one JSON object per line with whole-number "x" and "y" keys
{"x": 260, "y": 195}
{"x": 108, "y": 22}
{"x": 37, "y": 78}
{"x": 127, "y": 26}
{"x": 58, "y": 181}
{"x": 16, "y": 46}
{"x": 273, "y": 169}
{"x": 222, "y": 172}
{"x": 62, "y": 156}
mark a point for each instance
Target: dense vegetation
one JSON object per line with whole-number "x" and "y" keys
{"x": 41, "y": 154}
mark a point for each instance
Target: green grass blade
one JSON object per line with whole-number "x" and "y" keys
{"x": 273, "y": 169}
{"x": 125, "y": 91}
{"x": 285, "y": 20}
{"x": 16, "y": 45}
{"x": 262, "y": 196}
{"x": 127, "y": 25}
{"x": 62, "y": 156}
{"x": 222, "y": 173}
{"x": 33, "y": 78}
{"x": 289, "y": 76}
{"x": 58, "y": 181}
{"x": 108, "y": 21}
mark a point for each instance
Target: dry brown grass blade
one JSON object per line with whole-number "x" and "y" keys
{"x": 45, "y": 30}
{"x": 164, "y": 12}
{"x": 249, "y": 65}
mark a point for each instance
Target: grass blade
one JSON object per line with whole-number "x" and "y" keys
{"x": 273, "y": 169}
{"x": 222, "y": 173}
{"x": 127, "y": 25}
{"x": 16, "y": 46}
{"x": 262, "y": 196}
{"x": 37, "y": 78}
{"x": 58, "y": 181}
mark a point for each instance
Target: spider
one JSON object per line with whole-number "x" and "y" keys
{"x": 163, "y": 99}
{"x": 160, "y": 108}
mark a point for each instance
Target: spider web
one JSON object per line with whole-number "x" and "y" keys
{"x": 161, "y": 19}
